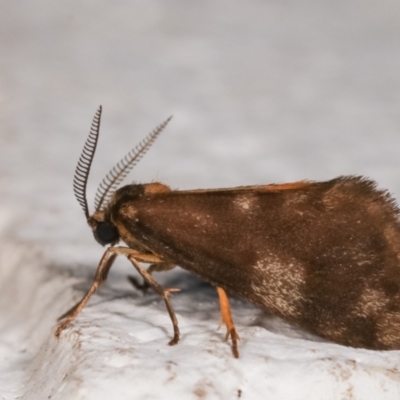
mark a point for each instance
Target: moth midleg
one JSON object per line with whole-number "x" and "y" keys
{"x": 227, "y": 320}
{"x": 139, "y": 256}
{"x": 165, "y": 293}
{"x": 155, "y": 267}
{"x": 101, "y": 275}
{"x": 161, "y": 266}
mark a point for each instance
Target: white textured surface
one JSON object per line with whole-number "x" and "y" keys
{"x": 261, "y": 91}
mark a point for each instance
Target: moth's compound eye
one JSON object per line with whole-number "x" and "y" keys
{"x": 106, "y": 233}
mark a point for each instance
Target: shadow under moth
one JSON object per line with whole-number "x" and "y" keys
{"x": 324, "y": 256}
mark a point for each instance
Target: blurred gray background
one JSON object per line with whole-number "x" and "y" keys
{"x": 261, "y": 92}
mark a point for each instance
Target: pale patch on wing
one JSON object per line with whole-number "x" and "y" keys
{"x": 371, "y": 303}
{"x": 281, "y": 285}
{"x": 244, "y": 203}
{"x": 374, "y": 304}
{"x": 388, "y": 328}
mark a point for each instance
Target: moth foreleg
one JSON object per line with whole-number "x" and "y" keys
{"x": 227, "y": 320}
{"x": 156, "y": 267}
{"x": 165, "y": 293}
{"x": 101, "y": 275}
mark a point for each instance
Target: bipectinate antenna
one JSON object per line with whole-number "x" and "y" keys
{"x": 85, "y": 161}
{"x": 115, "y": 176}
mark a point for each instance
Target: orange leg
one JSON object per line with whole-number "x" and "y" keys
{"x": 227, "y": 320}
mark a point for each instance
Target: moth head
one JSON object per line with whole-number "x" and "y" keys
{"x": 104, "y": 230}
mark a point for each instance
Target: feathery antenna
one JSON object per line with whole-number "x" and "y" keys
{"x": 115, "y": 176}
{"x": 85, "y": 161}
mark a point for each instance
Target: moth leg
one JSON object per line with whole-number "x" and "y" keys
{"x": 101, "y": 275}
{"x": 142, "y": 257}
{"x": 227, "y": 320}
{"x": 159, "y": 267}
{"x": 165, "y": 293}
{"x": 156, "y": 267}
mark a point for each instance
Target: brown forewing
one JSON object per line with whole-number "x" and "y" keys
{"x": 324, "y": 255}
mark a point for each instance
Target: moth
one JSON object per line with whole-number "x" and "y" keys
{"x": 324, "y": 256}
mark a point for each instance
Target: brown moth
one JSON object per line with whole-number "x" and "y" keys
{"x": 322, "y": 255}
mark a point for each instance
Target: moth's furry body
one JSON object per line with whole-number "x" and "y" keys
{"x": 324, "y": 255}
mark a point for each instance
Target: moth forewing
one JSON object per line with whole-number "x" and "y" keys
{"x": 309, "y": 252}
